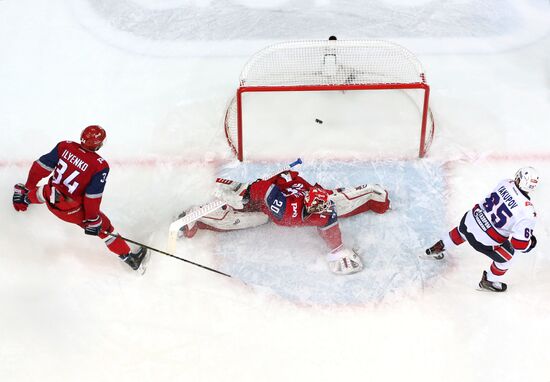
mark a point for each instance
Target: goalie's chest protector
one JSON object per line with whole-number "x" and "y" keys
{"x": 284, "y": 209}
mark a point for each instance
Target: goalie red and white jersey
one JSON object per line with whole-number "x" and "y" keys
{"x": 282, "y": 199}
{"x": 505, "y": 214}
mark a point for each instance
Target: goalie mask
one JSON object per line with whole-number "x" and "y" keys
{"x": 316, "y": 200}
{"x": 527, "y": 179}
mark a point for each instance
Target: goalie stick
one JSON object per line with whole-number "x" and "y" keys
{"x": 208, "y": 208}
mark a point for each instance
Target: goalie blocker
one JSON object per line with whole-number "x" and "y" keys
{"x": 289, "y": 200}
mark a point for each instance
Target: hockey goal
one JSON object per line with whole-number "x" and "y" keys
{"x": 336, "y": 89}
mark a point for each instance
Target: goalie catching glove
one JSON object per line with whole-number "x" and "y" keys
{"x": 233, "y": 193}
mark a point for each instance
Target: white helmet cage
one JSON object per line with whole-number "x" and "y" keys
{"x": 527, "y": 179}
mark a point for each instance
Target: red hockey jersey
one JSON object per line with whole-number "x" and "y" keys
{"x": 79, "y": 175}
{"x": 282, "y": 198}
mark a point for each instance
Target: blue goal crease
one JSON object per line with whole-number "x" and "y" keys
{"x": 290, "y": 261}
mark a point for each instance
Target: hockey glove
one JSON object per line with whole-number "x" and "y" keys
{"x": 20, "y": 197}
{"x": 93, "y": 226}
{"x": 532, "y": 244}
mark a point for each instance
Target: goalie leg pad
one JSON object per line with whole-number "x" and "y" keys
{"x": 353, "y": 201}
{"x": 226, "y": 219}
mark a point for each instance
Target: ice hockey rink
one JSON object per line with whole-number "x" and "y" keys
{"x": 158, "y": 76}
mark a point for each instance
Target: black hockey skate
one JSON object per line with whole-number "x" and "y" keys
{"x": 137, "y": 261}
{"x": 436, "y": 251}
{"x": 493, "y": 286}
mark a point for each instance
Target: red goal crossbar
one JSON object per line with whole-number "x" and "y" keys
{"x": 253, "y": 79}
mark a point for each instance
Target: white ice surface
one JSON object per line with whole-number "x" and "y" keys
{"x": 158, "y": 75}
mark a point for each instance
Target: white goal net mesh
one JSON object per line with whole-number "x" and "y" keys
{"x": 332, "y": 62}
{"x": 299, "y": 90}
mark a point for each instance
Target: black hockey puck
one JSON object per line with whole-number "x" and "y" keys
{"x": 318, "y": 120}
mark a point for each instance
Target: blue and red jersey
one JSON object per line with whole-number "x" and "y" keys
{"x": 79, "y": 175}
{"x": 282, "y": 198}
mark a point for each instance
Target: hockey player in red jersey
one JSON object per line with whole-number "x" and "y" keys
{"x": 289, "y": 200}
{"x": 73, "y": 193}
{"x": 499, "y": 225}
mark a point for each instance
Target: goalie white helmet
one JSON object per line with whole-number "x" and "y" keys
{"x": 527, "y": 179}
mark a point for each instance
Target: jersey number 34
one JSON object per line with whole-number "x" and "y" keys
{"x": 70, "y": 181}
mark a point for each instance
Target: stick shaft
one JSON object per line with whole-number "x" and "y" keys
{"x": 169, "y": 254}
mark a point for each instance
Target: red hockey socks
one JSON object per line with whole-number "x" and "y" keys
{"x": 332, "y": 236}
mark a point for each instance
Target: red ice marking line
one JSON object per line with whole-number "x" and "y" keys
{"x": 535, "y": 157}
{"x": 188, "y": 162}
{"x": 152, "y": 162}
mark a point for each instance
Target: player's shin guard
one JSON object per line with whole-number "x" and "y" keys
{"x": 453, "y": 239}
{"x": 225, "y": 219}
{"x": 115, "y": 244}
{"x": 496, "y": 271}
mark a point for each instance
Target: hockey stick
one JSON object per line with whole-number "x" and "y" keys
{"x": 169, "y": 254}
{"x": 208, "y": 208}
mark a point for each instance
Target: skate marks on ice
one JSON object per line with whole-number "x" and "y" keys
{"x": 171, "y": 27}
{"x": 291, "y": 261}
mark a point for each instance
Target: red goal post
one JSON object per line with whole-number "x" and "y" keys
{"x": 330, "y": 65}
